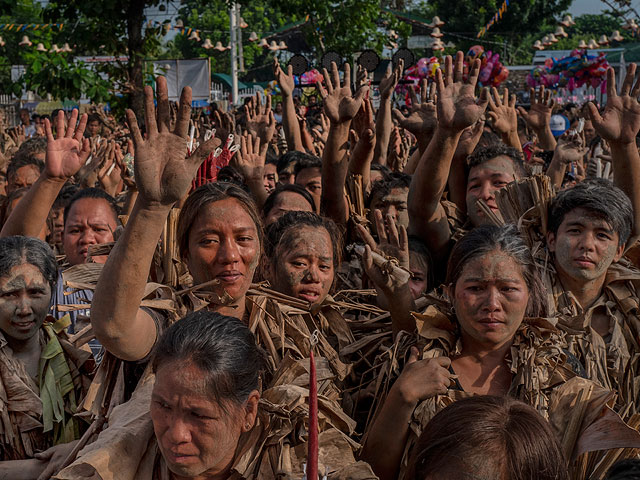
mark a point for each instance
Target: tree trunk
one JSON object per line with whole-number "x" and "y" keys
{"x": 135, "y": 19}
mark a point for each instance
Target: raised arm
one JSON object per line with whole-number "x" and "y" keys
{"x": 539, "y": 117}
{"x": 457, "y": 110}
{"x": 619, "y": 124}
{"x": 289, "y": 118}
{"x": 570, "y": 149}
{"x": 163, "y": 176}
{"x": 364, "y": 151}
{"x": 66, "y": 154}
{"x": 384, "y": 122}
{"x": 340, "y": 106}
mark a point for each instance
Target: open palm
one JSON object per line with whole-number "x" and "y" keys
{"x": 68, "y": 152}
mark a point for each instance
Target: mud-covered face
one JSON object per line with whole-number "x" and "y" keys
{"x": 584, "y": 246}
{"x": 311, "y": 179}
{"x": 22, "y": 178}
{"x": 24, "y": 301}
{"x": 91, "y": 221}
{"x": 304, "y": 267}
{"x": 196, "y": 436}
{"x": 224, "y": 244}
{"x": 483, "y": 183}
{"x": 490, "y": 299}
{"x": 393, "y": 203}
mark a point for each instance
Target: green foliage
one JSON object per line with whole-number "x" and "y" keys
{"x": 523, "y": 18}
{"x": 55, "y": 74}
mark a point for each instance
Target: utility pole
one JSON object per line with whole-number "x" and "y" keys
{"x": 239, "y": 39}
{"x": 234, "y": 54}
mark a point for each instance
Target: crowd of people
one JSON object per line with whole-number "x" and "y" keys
{"x": 456, "y": 284}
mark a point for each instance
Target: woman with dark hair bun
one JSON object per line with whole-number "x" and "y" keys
{"x": 490, "y": 341}
{"x": 207, "y": 419}
{"x": 488, "y": 437}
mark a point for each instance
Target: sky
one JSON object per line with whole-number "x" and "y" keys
{"x": 580, "y": 7}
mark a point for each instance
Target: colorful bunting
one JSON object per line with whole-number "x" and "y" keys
{"x": 497, "y": 16}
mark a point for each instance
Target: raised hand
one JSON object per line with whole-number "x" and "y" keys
{"x": 571, "y": 148}
{"x": 109, "y": 175}
{"x": 539, "y": 115}
{"x": 339, "y": 105}
{"x": 502, "y": 112}
{"x": 393, "y": 243}
{"x": 68, "y": 151}
{"x": 251, "y": 157}
{"x": 423, "y": 117}
{"x": 469, "y": 139}
{"x": 423, "y": 379}
{"x": 620, "y": 121}
{"x": 285, "y": 80}
{"x": 260, "y": 119}
{"x": 457, "y": 105}
{"x": 390, "y": 80}
{"x": 163, "y": 174}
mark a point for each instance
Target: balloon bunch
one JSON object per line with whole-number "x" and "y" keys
{"x": 573, "y": 71}
{"x": 492, "y": 72}
{"x": 309, "y": 78}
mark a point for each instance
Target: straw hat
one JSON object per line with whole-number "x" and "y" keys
{"x": 2, "y": 42}
{"x": 253, "y": 37}
{"x": 436, "y": 22}
{"x": 282, "y": 45}
{"x": 219, "y": 47}
{"x": 207, "y": 44}
{"x": 582, "y": 44}
{"x": 616, "y": 37}
{"x": 25, "y": 42}
{"x": 436, "y": 33}
{"x": 552, "y": 38}
{"x": 243, "y": 24}
{"x": 592, "y": 44}
{"x": 545, "y": 41}
{"x": 630, "y": 24}
{"x": 560, "y": 32}
{"x": 41, "y": 47}
{"x": 567, "y": 21}
{"x": 55, "y": 48}
{"x": 263, "y": 43}
{"x": 603, "y": 40}
{"x": 537, "y": 45}
{"x": 66, "y": 48}
{"x": 194, "y": 36}
{"x": 273, "y": 46}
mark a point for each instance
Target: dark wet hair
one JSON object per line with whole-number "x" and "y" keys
{"x": 601, "y": 199}
{"x": 67, "y": 193}
{"x": 33, "y": 145}
{"x": 209, "y": 193}
{"x": 92, "y": 192}
{"x": 488, "y": 238}
{"x": 222, "y": 347}
{"x": 484, "y": 154}
{"x": 93, "y": 117}
{"x": 18, "y": 250}
{"x": 488, "y": 437}
{"x": 22, "y": 160}
{"x": 231, "y": 175}
{"x": 628, "y": 469}
{"x": 288, "y": 158}
{"x": 306, "y": 161}
{"x": 381, "y": 168}
{"x": 418, "y": 247}
{"x": 384, "y": 186}
{"x": 282, "y": 233}
{"x": 273, "y": 196}
{"x": 487, "y": 138}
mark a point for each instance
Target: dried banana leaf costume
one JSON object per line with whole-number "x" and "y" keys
{"x": 36, "y": 414}
{"x": 541, "y": 378}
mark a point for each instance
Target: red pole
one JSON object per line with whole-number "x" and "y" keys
{"x": 312, "y": 455}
